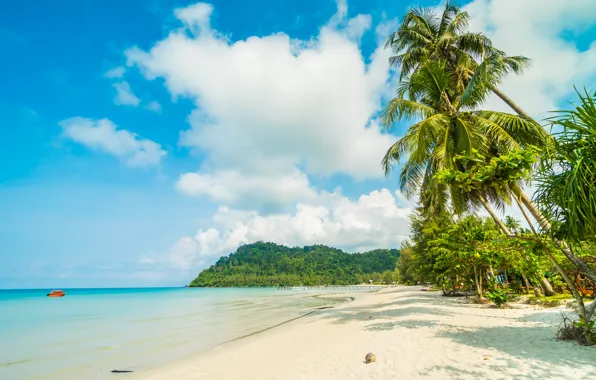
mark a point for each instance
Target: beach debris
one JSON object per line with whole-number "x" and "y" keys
{"x": 485, "y": 358}
{"x": 120, "y": 371}
{"x": 370, "y": 358}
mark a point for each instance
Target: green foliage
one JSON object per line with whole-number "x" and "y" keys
{"x": 497, "y": 296}
{"x": 568, "y": 173}
{"x": 269, "y": 264}
{"x": 497, "y": 173}
{"x": 474, "y": 64}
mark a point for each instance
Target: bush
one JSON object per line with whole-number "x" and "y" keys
{"x": 498, "y": 297}
{"x": 569, "y": 330}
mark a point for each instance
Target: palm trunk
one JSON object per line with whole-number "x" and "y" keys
{"x": 510, "y": 103}
{"x": 524, "y": 213}
{"x": 546, "y": 286}
{"x": 545, "y": 225}
{"x": 585, "y": 314}
{"x": 495, "y": 217}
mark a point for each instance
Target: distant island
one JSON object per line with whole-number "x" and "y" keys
{"x": 270, "y": 264}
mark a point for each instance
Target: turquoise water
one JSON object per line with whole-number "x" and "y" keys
{"x": 90, "y": 332}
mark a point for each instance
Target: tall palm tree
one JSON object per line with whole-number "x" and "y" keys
{"x": 425, "y": 35}
{"x": 448, "y": 127}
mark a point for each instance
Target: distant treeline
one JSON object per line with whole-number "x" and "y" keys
{"x": 270, "y": 264}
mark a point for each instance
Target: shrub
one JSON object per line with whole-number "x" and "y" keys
{"x": 497, "y": 296}
{"x": 569, "y": 330}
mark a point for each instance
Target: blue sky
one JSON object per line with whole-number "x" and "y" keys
{"x": 141, "y": 188}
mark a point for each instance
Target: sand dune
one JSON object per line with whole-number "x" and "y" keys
{"x": 414, "y": 335}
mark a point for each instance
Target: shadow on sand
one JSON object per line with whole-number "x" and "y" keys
{"x": 517, "y": 341}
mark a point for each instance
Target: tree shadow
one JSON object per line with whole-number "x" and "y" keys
{"x": 408, "y": 324}
{"x": 503, "y": 370}
{"x": 523, "y": 342}
{"x": 355, "y": 314}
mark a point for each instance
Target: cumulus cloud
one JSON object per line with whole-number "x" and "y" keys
{"x": 536, "y": 29}
{"x": 115, "y": 73}
{"x": 104, "y": 136}
{"x": 183, "y": 253}
{"x": 375, "y": 220}
{"x": 153, "y": 106}
{"x": 270, "y": 104}
{"x": 124, "y": 94}
{"x": 255, "y": 191}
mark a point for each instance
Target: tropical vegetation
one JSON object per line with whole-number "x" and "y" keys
{"x": 269, "y": 264}
{"x": 458, "y": 157}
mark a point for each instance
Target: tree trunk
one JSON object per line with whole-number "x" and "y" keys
{"x": 585, "y": 314}
{"x": 527, "y": 283}
{"x": 547, "y": 288}
{"x": 537, "y": 291}
{"x": 480, "y": 294}
{"x": 524, "y": 213}
{"x": 494, "y": 216}
{"x": 510, "y": 103}
{"x": 478, "y": 283}
{"x": 545, "y": 225}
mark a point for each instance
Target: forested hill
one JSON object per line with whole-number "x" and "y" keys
{"x": 270, "y": 264}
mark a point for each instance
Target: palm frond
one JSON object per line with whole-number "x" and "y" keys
{"x": 398, "y": 109}
{"x": 525, "y": 131}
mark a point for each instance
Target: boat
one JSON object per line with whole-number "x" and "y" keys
{"x": 56, "y": 293}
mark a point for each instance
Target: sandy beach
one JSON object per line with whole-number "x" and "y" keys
{"x": 414, "y": 335}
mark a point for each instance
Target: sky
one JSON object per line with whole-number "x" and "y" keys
{"x": 142, "y": 140}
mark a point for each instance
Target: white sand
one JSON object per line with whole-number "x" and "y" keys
{"x": 414, "y": 335}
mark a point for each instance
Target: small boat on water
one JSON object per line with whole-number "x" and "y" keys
{"x": 56, "y": 293}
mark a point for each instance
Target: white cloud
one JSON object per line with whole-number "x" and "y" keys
{"x": 183, "y": 254}
{"x": 153, "y": 106}
{"x": 373, "y": 221}
{"x": 535, "y": 29}
{"x": 116, "y": 72}
{"x": 269, "y": 104}
{"x": 124, "y": 94}
{"x": 104, "y": 136}
{"x": 146, "y": 260}
{"x": 271, "y": 112}
{"x": 255, "y": 191}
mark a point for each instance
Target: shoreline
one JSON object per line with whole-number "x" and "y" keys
{"x": 413, "y": 334}
{"x": 295, "y": 318}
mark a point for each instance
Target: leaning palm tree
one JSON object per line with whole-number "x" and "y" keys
{"x": 426, "y": 35}
{"x": 449, "y": 126}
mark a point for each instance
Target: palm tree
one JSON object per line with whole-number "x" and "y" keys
{"x": 425, "y": 35}
{"x": 513, "y": 224}
{"x": 449, "y": 127}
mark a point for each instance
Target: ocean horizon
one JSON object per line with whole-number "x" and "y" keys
{"x": 92, "y": 331}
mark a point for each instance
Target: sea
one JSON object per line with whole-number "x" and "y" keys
{"x": 90, "y": 332}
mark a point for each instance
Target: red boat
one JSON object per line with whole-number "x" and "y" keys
{"x": 56, "y": 293}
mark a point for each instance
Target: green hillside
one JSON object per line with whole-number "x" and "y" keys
{"x": 270, "y": 264}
